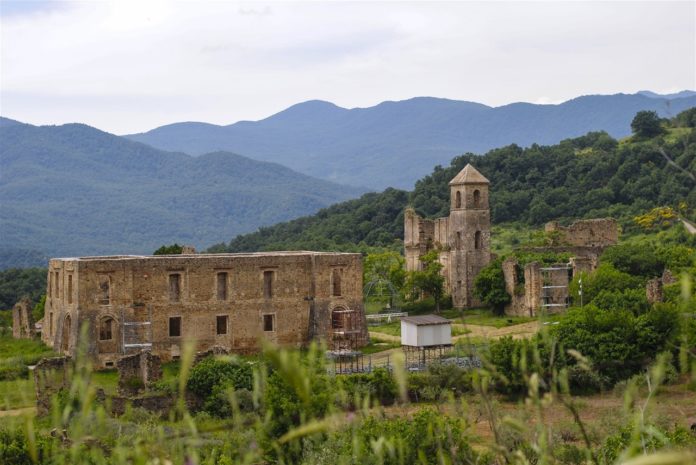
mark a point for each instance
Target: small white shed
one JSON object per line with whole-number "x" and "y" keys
{"x": 425, "y": 331}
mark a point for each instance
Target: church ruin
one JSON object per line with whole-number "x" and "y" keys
{"x": 233, "y": 301}
{"x": 463, "y": 238}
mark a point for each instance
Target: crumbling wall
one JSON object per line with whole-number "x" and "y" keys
{"x": 517, "y": 305}
{"x": 22, "y": 320}
{"x": 599, "y": 232}
{"x": 654, "y": 289}
{"x": 51, "y": 375}
{"x": 137, "y": 372}
{"x": 532, "y": 287}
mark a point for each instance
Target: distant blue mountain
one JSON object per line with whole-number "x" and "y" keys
{"x": 75, "y": 190}
{"x": 396, "y": 143}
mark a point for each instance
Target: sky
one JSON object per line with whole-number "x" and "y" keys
{"x": 129, "y": 66}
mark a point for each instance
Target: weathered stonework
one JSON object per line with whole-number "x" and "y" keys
{"x": 463, "y": 238}
{"x": 137, "y": 372}
{"x": 599, "y": 232}
{"x": 655, "y": 288}
{"x": 51, "y": 375}
{"x": 22, "y": 320}
{"x": 228, "y": 300}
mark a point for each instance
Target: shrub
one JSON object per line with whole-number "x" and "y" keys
{"x": 634, "y": 259}
{"x": 210, "y": 380}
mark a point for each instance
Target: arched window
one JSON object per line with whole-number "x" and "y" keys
{"x": 477, "y": 240}
{"x": 477, "y": 198}
{"x": 458, "y": 200}
{"x": 106, "y": 328}
{"x": 336, "y": 282}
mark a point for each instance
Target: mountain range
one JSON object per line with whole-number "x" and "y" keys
{"x": 75, "y": 190}
{"x": 396, "y": 143}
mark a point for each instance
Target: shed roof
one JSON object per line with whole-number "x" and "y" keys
{"x": 425, "y": 320}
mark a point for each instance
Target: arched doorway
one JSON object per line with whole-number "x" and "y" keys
{"x": 65, "y": 339}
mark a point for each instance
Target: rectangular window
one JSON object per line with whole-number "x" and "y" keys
{"x": 222, "y": 286}
{"x": 50, "y": 285}
{"x": 104, "y": 290}
{"x": 221, "y": 325}
{"x": 268, "y": 284}
{"x": 336, "y": 282}
{"x": 268, "y": 322}
{"x": 50, "y": 323}
{"x": 55, "y": 284}
{"x": 174, "y": 326}
{"x": 70, "y": 289}
{"x": 174, "y": 287}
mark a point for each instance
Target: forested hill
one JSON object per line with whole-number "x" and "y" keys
{"x": 590, "y": 176}
{"x": 395, "y": 143}
{"x": 75, "y": 190}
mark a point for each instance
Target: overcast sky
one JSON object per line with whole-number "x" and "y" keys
{"x": 131, "y": 66}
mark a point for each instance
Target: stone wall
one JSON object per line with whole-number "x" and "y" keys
{"x": 517, "y": 305}
{"x": 227, "y": 300}
{"x": 22, "y": 320}
{"x": 137, "y": 372}
{"x": 654, "y": 289}
{"x": 51, "y": 375}
{"x": 601, "y": 232}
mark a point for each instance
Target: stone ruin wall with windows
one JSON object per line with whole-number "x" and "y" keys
{"x": 584, "y": 240}
{"x": 231, "y": 301}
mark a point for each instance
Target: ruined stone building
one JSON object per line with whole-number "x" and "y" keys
{"x": 535, "y": 286}
{"x": 462, "y": 238}
{"x": 229, "y": 301}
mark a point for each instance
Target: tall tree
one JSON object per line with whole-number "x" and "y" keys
{"x": 429, "y": 280}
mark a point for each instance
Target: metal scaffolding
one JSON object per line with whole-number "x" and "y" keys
{"x": 554, "y": 287}
{"x": 136, "y": 329}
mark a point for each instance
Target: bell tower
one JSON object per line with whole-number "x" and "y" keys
{"x": 469, "y": 234}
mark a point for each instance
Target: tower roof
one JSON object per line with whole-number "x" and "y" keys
{"x": 469, "y": 175}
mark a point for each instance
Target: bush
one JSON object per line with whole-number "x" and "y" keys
{"x": 617, "y": 343}
{"x": 378, "y": 385}
{"x": 211, "y": 378}
{"x": 634, "y": 259}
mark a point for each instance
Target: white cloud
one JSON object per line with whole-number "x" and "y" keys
{"x": 128, "y": 66}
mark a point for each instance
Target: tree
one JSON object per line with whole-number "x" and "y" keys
{"x": 173, "y": 249}
{"x": 646, "y": 124}
{"x": 386, "y": 269}
{"x": 489, "y": 286}
{"x": 428, "y": 280}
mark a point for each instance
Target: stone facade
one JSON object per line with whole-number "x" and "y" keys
{"x": 598, "y": 232}
{"x": 228, "y": 300}
{"x": 22, "y": 320}
{"x": 463, "y": 238}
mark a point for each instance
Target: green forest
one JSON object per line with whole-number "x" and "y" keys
{"x": 589, "y": 176}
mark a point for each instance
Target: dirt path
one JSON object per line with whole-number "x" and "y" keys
{"x": 17, "y": 412}
{"x": 689, "y": 226}
{"x": 520, "y": 331}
